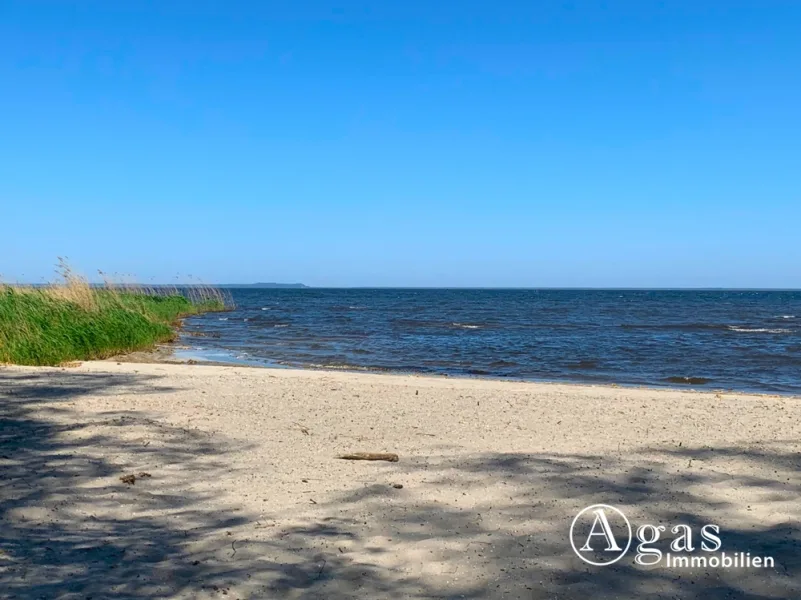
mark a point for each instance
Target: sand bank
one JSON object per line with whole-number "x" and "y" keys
{"x": 245, "y": 498}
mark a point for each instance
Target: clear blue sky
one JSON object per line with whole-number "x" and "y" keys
{"x": 628, "y": 143}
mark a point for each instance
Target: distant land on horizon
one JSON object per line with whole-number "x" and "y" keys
{"x": 185, "y": 284}
{"x": 275, "y": 285}
{"x": 263, "y": 285}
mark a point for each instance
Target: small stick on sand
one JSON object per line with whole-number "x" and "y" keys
{"x": 303, "y": 429}
{"x": 387, "y": 456}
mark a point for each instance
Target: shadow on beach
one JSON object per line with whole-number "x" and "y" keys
{"x": 72, "y": 529}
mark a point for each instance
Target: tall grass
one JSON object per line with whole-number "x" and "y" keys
{"x": 74, "y": 320}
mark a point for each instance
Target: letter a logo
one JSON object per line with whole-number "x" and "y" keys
{"x": 600, "y": 545}
{"x": 606, "y": 532}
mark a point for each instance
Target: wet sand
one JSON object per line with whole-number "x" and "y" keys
{"x": 244, "y": 496}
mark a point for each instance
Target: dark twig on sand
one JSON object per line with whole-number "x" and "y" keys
{"x": 387, "y": 456}
{"x": 131, "y": 479}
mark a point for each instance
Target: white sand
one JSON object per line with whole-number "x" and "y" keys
{"x": 246, "y": 499}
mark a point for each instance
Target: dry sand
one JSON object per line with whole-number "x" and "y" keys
{"x": 246, "y": 500}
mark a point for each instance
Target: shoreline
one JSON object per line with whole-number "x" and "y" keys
{"x": 237, "y": 486}
{"x": 166, "y": 354}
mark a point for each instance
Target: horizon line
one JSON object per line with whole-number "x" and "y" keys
{"x": 297, "y": 286}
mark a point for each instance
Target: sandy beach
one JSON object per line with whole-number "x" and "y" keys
{"x": 238, "y": 492}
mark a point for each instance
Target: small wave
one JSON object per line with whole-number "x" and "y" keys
{"x": 756, "y": 330}
{"x": 277, "y": 325}
{"x": 676, "y": 326}
{"x": 688, "y": 380}
{"x": 583, "y": 364}
{"x": 260, "y": 321}
{"x": 343, "y": 366}
{"x": 411, "y": 323}
{"x": 266, "y": 308}
{"x": 504, "y": 363}
{"x": 222, "y": 319}
{"x": 346, "y": 307}
{"x": 785, "y": 317}
{"x": 425, "y": 324}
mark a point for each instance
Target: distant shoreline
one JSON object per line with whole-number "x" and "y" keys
{"x": 303, "y": 286}
{"x": 264, "y": 286}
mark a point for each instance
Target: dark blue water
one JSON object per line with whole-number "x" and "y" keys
{"x": 744, "y": 340}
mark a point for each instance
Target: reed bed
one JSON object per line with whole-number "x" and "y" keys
{"x": 72, "y": 319}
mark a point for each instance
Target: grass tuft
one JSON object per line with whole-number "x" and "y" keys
{"x": 73, "y": 320}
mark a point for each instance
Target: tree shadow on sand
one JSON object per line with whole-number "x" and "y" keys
{"x": 472, "y": 526}
{"x": 70, "y": 527}
{"x": 511, "y": 541}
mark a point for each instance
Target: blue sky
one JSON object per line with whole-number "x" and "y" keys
{"x": 633, "y": 143}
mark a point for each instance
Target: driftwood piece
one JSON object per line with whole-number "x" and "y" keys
{"x": 131, "y": 479}
{"x": 387, "y": 456}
